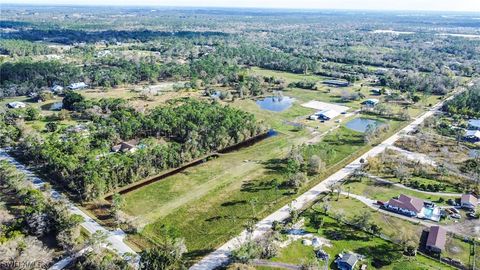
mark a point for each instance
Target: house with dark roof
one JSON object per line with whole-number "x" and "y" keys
{"x": 468, "y": 201}
{"x": 437, "y": 237}
{"x": 346, "y": 261}
{"x": 126, "y": 146}
{"x": 405, "y": 205}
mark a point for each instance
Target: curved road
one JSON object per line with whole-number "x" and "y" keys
{"x": 221, "y": 256}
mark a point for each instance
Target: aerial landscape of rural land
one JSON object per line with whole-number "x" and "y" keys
{"x": 210, "y": 135}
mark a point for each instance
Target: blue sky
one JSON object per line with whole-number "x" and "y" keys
{"x": 443, "y": 5}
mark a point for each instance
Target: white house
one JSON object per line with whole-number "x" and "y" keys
{"x": 16, "y": 105}
{"x": 57, "y": 89}
{"x": 77, "y": 86}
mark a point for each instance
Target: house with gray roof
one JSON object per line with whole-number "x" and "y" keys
{"x": 346, "y": 261}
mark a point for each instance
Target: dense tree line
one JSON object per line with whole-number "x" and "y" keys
{"x": 20, "y": 78}
{"x": 430, "y": 83}
{"x": 251, "y": 55}
{"x": 466, "y": 103}
{"x": 16, "y": 47}
{"x": 25, "y": 76}
{"x": 190, "y": 128}
{"x": 72, "y": 36}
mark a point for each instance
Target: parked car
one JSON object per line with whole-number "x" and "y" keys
{"x": 456, "y": 216}
{"x": 455, "y": 210}
{"x": 429, "y": 204}
{"x": 472, "y": 215}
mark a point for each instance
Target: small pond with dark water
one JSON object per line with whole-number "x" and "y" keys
{"x": 275, "y": 103}
{"x": 361, "y": 124}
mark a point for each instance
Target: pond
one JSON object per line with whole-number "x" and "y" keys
{"x": 57, "y": 106}
{"x": 361, "y": 124}
{"x": 275, "y": 103}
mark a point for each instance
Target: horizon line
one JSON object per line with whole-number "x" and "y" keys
{"x": 233, "y": 7}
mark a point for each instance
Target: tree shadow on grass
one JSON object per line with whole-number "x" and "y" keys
{"x": 382, "y": 255}
{"x": 276, "y": 165}
{"x": 345, "y": 234}
{"x": 215, "y": 218}
{"x": 233, "y": 203}
{"x": 382, "y": 184}
{"x": 257, "y": 186}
